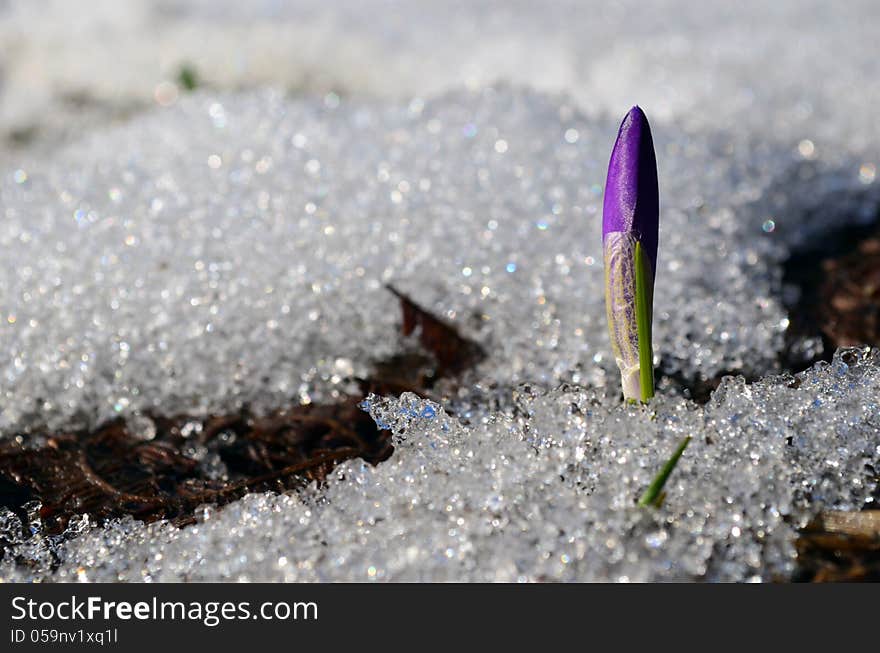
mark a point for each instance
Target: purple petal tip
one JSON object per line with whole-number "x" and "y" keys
{"x": 632, "y": 202}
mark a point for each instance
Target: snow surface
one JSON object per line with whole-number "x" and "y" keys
{"x": 804, "y": 68}
{"x": 548, "y": 494}
{"x": 232, "y": 247}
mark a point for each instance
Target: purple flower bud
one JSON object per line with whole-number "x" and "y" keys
{"x": 630, "y": 224}
{"x": 632, "y": 199}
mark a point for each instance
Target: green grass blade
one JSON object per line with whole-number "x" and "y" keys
{"x": 643, "y": 324}
{"x": 187, "y": 78}
{"x": 653, "y": 495}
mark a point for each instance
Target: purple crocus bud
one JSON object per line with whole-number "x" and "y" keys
{"x": 630, "y": 222}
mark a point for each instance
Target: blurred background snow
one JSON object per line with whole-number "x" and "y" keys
{"x": 803, "y": 68}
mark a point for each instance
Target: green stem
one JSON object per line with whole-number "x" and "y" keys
{"x": 652, "y": 496}
{"x": 643, "y": 324}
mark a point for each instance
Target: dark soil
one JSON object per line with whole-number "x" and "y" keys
{"x": 838, "y": 280}
{"x": 840, "y": 547}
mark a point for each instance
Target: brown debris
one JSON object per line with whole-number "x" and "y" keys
{"x": 111, "y": 471}
{"x": 834, "y": 301}
{"x": 453, "y": 353}
{"x": 840, "y": 547}
{"x": 849, "y": 313}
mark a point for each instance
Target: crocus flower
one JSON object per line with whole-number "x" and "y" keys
{"x": 630, "y": 221}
